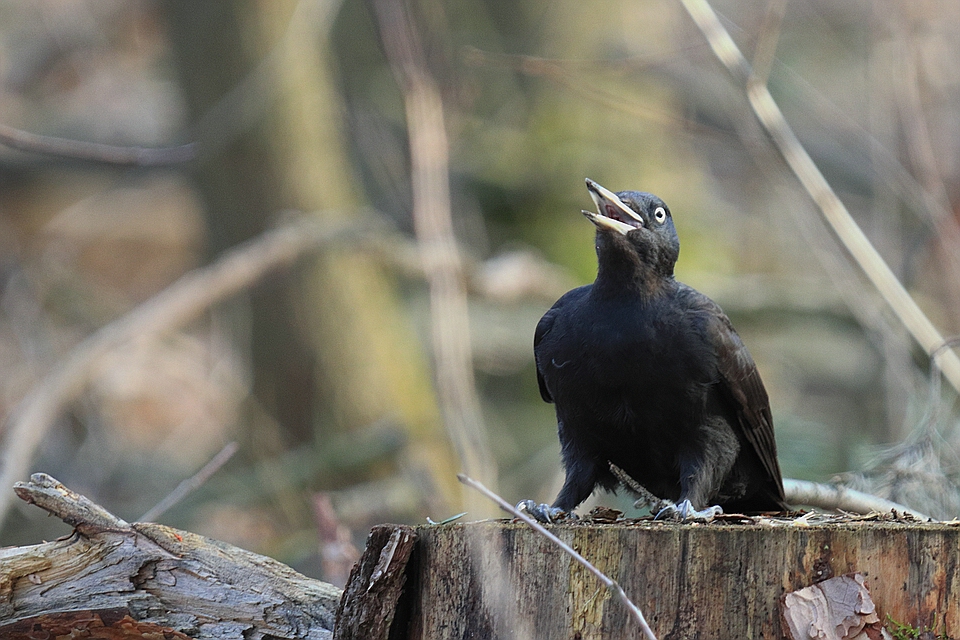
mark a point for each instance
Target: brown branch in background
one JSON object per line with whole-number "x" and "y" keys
{"x": 181, "y": 302}
{"x": 610, "y": 583}
{"x": 191, "y": 484}
{"x": 443, "y": 267}
{"x": 95, "y": 151}
{"x": 834, "y": 211}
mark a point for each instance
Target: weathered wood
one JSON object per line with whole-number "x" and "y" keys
{"x": 148, "y": 575}
{"x": 502, "y": 580}
{"x": 369, "y": 603}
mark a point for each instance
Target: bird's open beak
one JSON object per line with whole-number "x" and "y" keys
{"x": 611, "y": 212}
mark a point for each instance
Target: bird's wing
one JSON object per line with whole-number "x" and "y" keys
{"x": 544, "y": 327}
{"x": 740, "y": 380}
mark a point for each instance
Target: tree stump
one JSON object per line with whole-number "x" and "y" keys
{"x": 499, "y": 579}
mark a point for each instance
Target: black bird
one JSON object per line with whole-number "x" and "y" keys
{"x": 649, "y": 374}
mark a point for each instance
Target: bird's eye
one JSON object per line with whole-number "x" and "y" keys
{"x": 660, "y": 214}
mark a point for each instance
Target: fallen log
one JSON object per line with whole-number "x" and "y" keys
{"x": 112, "y": 579}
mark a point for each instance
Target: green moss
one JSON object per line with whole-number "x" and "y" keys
{"x": 902, "y": 631}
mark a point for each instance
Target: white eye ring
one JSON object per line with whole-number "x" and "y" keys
{"x": 660, "y": 214}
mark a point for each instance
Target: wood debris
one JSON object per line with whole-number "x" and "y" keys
{"x": 836, "y": 609}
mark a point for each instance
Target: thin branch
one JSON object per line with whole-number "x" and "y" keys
{"x": 191, "y": 484}
{"x": 834, "y": 211}
{"x": 95, "y": 151}
{"x": 181, "y": 302}
{"x": 829, "y": 496}
{"x": 610, "y": 583}
{"x": 645, "y": 497}
{"x": 433, "y": 226}
{"x": 764, "y": 53}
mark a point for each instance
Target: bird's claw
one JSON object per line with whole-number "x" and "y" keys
{"x": 684, "y": 512}
{"x": 543, "y": 512}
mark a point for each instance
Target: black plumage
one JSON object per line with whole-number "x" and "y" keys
{"x": 649, "y": 374}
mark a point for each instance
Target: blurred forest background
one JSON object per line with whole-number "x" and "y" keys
{"x": 426, "y": 159}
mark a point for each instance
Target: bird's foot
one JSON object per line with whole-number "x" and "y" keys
{"x": 543, "y": 512}
{"x": 684, "y": 512}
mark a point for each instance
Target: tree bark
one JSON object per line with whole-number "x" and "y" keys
{"x": 114, "y": 579}
{"x": 503, "y": 580}
{"x": 368, "y": 609}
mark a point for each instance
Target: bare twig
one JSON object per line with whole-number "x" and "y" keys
{"x": 829, "y": 496}
{"x": 176, "y": 305}
{"x": 764, "y": 53}
{"x": 191, "y": 484}
{"x": 433, "y": 226}
{"x": 611, "y": 584}
{"x": 95, "y": 151}
{"x": 834, "y": 211}
{"x": 645, "y": 497}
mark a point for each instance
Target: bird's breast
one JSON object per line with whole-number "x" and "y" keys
{"x": 627, "y": 363}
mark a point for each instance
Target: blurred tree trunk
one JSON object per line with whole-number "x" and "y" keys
{"x": 353, "y": 346}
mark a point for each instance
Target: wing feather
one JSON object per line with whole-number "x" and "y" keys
{"x": 546, "y": 325}
{"x": 740, "y": 381}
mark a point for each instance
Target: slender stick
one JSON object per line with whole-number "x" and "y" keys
{"x": 834, "y": 211}
{"x": 95, "y": 151}
{"x": 191, "y": 484}
{"x": 610, "y": 583}
{"x": 433, "y": 226}
{"x": 645, "y": 498}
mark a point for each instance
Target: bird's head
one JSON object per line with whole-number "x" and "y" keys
{"x": 635, "y": 227}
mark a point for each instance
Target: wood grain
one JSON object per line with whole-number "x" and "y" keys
{"x": 370, "y": 601}
{"x": 114, "y": 575}
{"x": 501, "y": 580}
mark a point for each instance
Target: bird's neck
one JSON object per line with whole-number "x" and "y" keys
{"x": 621, "y": 274}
